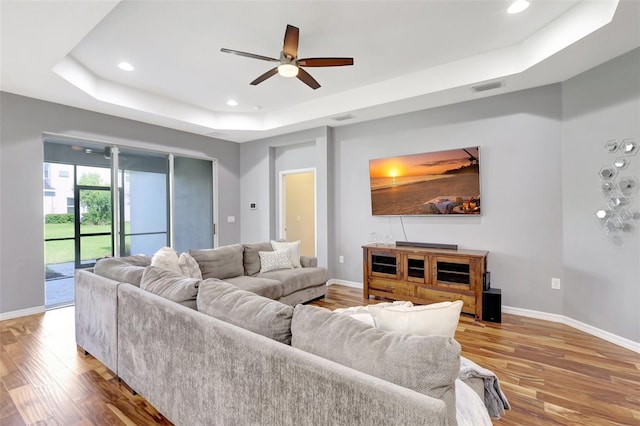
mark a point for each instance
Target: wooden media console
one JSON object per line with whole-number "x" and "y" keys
{"x": 425, "y": 275}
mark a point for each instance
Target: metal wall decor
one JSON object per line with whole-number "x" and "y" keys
{"x": 618, "y": 219}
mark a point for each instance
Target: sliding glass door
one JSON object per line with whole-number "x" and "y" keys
{"x": 102, "y": 201}
{"x": 193, "y": 203}
{"x": 144, "y": 201}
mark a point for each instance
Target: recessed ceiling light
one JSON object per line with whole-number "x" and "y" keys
{"x": 125, "y": 66}
{"x": 518, "y": 6}
{"x": 232, "y": 102}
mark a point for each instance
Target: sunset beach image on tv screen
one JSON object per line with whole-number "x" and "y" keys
{"x": 434, "y": 183}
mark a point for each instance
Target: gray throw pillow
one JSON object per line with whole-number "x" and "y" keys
{"x": 170, "y": 285}
{"x": 255, "y": 313}
{"x": 426, "y": 364}
{"x": 222, "y": 262}
{"x": 127, "y": 269}
{"x": 252, "y": 258}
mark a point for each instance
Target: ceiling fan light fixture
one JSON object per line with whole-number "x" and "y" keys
{"x": 288, "y": 70}
{"x": 518, "y": 6}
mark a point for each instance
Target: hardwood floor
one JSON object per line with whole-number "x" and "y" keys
{"x": 551, "y": 373}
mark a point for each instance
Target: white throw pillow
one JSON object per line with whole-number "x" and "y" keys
{"x": 189, "y": 267}
{"x": 166, "y": 258}
{"x": 438, "y": 319}
{"x": 365, "y": 318}
{"x": 365, "y": 309}
{"x": 294, "y": 250}
{"x": 273, "y": 260}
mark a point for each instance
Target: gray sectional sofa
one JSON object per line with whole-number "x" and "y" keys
{"x": 241, "y": 358}
{"x": 96, "y": 296}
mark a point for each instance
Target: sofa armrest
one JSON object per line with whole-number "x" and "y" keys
{"x": 96, "y": 321}
{"x": 308, "y": 261}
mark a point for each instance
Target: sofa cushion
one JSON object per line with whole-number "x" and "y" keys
{"x": 294, "y": 250}
{"x": 297, "y": 279}
{"x": 261, "y": 286}
{"x": 167, "y": 258}
{"x": 427, "y": 364}
{"x": 274, "y": 260}
{"x": 308, "y": 261}
{"x": 251, "y": 259}
{"x": 222, "y": 262}
{"x": 127, "y": 269}
{"x": 170, "y": 285}
{"x": 189, "y": 267}
{"x": 245, "y": 309}
{"x": 436, "y": 319}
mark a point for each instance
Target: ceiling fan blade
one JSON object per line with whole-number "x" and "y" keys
{"x": 265, "y": 76}
{"x": 306, "y": 78}
{"x": 325, "y": 62}
{"x": 249, "y": 55}
{"x": 290, "y": 45}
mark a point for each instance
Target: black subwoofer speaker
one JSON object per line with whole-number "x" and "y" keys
{"x": 492, "y": 305}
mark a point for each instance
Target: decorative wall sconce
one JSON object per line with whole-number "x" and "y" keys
{"x": 611, "y": 145}
{"x": 629, "y": 147}
{"x": 621, "y": 163}
{"x": 603, "y": 215}
{"x": 607, "y": 173}
{"x": 608, "y": 189}
{"x": 617, "y": 202}
{"x": 628, "y": 185}
{"x": 618, "y": 220}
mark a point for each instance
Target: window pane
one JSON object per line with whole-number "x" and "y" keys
{"x": 57, "y": 191}
{"x": 193, "y": 203}
{"x": 94, "y": 176}
{"x": 93, "y": 248}
{"x": 95, "y": 211}
{"x": 59, "y": 251}
{"x": 143, "y": 244}
{"x": 144, "y": 202}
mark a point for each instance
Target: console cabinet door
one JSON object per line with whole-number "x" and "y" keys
{"x": 453, "y": 272}
{"x": 416, "y": 268}
{"x": 384, "y": 264}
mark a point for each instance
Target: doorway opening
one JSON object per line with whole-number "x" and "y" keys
{"x": 298, "y": 208}
{"x": 77, "y": 224}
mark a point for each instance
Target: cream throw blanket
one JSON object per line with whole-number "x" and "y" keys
{"x": 494, "y": 399}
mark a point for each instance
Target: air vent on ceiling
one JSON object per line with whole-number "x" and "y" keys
{"x": 342, "y": 117}
{"x": 487, "y": 86}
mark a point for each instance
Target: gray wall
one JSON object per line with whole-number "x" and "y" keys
{"x": 602, "y": 283}
{"x": 540, "y": 150}
{"x": 260, "y": 163}
{"x": 22, "y": 121}
{"x": 520, "y": 167}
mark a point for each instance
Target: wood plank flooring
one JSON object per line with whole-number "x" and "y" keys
{"x": 551, "y": 373}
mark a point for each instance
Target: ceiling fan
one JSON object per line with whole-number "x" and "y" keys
{"x": 290, "y": 64}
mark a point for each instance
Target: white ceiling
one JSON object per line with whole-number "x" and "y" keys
{"x": 408, "y": 55}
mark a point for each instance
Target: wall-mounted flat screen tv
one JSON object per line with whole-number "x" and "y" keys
{"x": 432, "y": 183}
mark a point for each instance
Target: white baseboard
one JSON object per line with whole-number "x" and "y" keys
{"x": 345, "y": 283}
{"x": 21, "y": 313}
{"x": 589, "y": 329}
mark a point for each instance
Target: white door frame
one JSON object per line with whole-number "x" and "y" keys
{"x": 281, "y": 196}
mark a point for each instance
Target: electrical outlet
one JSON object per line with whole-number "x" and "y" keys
{"x": 341, "y": 259}
{"x": 555, "y": 283}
